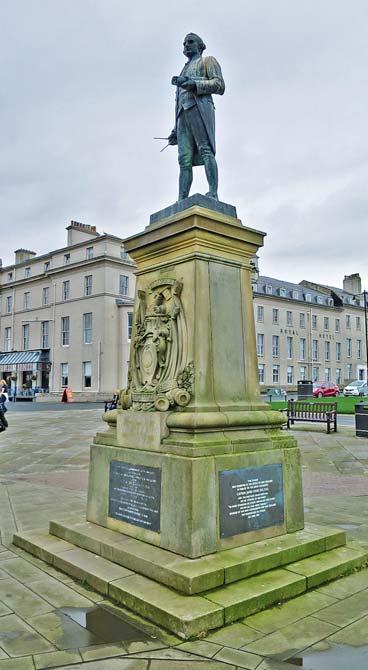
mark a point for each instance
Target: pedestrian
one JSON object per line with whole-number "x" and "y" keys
{"x": 3, "y": 400}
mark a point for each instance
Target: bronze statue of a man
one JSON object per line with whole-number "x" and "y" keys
{"x": 194, "y": 130}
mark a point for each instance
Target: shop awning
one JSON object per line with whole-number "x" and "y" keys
{"x": 17, "y": 357}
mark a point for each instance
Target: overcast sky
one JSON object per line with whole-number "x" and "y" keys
{"x": 86, "y": 85}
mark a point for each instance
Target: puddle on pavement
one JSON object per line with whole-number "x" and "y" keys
{"x": 338, "y": 657}
{"x": 102, "y": 625}
{"x": 348, "y": 526}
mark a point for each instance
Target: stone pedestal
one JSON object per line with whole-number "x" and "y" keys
{"x": 195, "y": 514}
{"x": 222, "y": 472}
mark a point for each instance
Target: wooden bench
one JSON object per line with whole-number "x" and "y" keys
{"x": 314, "y": 412}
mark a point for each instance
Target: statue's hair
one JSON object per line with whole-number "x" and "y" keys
{"x": 201, "y": 44}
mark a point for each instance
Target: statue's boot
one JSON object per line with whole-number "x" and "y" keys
{"x": 210, "y": 166}
{"x": 185, "y": 182}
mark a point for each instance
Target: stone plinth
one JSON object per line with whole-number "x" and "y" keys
{"x": 227, "y": 473}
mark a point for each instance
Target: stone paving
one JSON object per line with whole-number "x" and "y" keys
{"x": 43, "y": 475}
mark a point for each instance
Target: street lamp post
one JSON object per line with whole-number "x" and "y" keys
{"x": 366, "y": 335}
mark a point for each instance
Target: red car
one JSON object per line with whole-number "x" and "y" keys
{"x": 325, "y": 390}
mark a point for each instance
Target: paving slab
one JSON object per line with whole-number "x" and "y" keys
{"x": 234, "y": 635}
{"x": 242, "y": 659}
{"x": 355, "y": 635}
{"x": 344, "y": 612}
{"x": 286, "y": 614}
{"x": 17, "y": 664}
{"x": 19, "y": 639}
{"x": 55, "y": 659}
{"x": 288, "y": 641}
{"x": 21, "y": 599}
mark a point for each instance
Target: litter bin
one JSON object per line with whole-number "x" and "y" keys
{"x": 361, "y": 419}
{"x": 305, "y": 389}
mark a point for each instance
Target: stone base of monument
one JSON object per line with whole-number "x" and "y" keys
{"x": 192, "y": 596}
{"x": 195, "y": 504}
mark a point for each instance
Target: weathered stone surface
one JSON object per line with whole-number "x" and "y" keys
{"x": 89, "y": 568}
{"x": 19, "y": 639}
{"x": 256, "y": 593}
{"x": 242, "y": 659}
{"x": 56, "y": 658}
{"x": 288, "y": 613}
{"x": 187, "y": 616}
{"x": 197, "y": 199}
{"x": 329, "y": 565}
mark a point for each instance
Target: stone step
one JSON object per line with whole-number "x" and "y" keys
{"x": 198, "y": 575}
{"x": 192, "y": 615}
{"x": 330, "y": 565}
{"x": 257, "y": 593}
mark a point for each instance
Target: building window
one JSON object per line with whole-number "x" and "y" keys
{"x": 275, "y": 346}
{"x": 338, "y": 375}
{"x": 315, "y": 374}
{"x": 358, "y": 323}
{"x": 338, "y": 351}
{"x": 348, "y": 321}
{"x": 359, "y": 348}
{"x": 275, "y": 315}
{"x": 89, "y": 253}
{"x": 130, "y": 325}
{"x": 45, "y": 295}
{"x": 290, "y": 375}
{"x": 327, "y": 374}
{"x": 289, "y": 318}
{"x": 88, "y": 284}
{"x": 308, "y": 297}
{"x": 44, "y": 334}
{"x": 314, "y": 321}
{"x": 46, "y": 266}
{"x": 269, "y": 289}
{"x": 319, "y": 299}
{"x": 302, "y": 373}
{"x": 7, "y": 338}
{"x": 315, "y": 353}
{"x": 9, "y": 303}
{"x": 64, "y": 374}
{"x": 289, "y": 347}
{"x": 348, "y": 347}
{"x": 302, "y": 348}
{"x": 65, "y": 331}
{"x": 295, "y": 295}
{"x": 10, "y": 276}
{"x": 87, "y": 374}
{"x": 66, "y": 290}
{"x": 337, "y": 325}
{"x": 275, "y": 374}
{"x": 260, "y": 344}
{"x": 302, "y": 320}
{"x": 27, "y": 273}
{"x": 326, "y": 323}
{"x": 349, "y": 371}
{"x": 66, "y": 259}
{"x": 283, "y": 292}
{"x": 261, "y": 373}
{"x": 87, "y": 328}
{"x": 123, "y": 285}
{"x": 327, "y": 350}
{"x": 25, "y": 336}
{"x": 26, "y": 300}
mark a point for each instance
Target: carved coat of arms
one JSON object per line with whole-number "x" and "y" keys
{"x": 160, "y": 375}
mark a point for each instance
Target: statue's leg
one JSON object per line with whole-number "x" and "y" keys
{"x": 205, "y": 150}
{"x": 185, "y": 156}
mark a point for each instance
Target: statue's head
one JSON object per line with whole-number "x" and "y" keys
{"x": 193, "y": 44}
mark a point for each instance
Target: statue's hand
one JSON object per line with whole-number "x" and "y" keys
{"x": 172, "y": 139}
{"x": 189, "y": 84}
{"x": 174, "y": 81}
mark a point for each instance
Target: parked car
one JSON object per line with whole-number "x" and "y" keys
{"x": 274, "y": 393}
{"x": 325, "y": 390}
{"x": 359, "y": 387}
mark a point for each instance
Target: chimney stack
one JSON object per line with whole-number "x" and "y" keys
{"x": 22, "y": 255}
{"x": 352, "y": 284}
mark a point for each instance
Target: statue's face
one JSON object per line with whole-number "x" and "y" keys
{"x": 191, "y": 46}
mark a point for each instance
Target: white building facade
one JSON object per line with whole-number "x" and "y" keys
{"x": 309, "y": 331}
{"x": 66, "y": 316}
